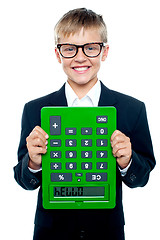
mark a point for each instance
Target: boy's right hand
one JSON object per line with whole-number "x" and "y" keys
{"x": 36, "y": 145}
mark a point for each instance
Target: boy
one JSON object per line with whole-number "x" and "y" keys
{"x": 81, "y": 45}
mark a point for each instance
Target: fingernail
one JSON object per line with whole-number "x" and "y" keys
{"x": 47, "y": 136}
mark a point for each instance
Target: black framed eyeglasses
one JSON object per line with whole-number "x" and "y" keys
{"x": 89, "y": 49}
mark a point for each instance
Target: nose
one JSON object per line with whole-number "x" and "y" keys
{"x": 80, "y": 57}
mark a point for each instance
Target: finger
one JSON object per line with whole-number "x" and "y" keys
{"x": 35, "y": 154}
{"x": 37, "y": 150}
{"x": 115, "y": 133}
{"x": 118, "y": 139}
{"x": 118, "y": 146}
{"x": 120, "y": 153}
{"x": 38, "y": 142}
{"x": 36, "y": 134}
{"x": 39, "y": 129}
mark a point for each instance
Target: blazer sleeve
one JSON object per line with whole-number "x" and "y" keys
{"x": 24, "y": 177}
{"x": 143, "y": 160}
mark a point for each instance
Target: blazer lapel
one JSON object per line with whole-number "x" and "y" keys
{"x": 59, "y": 98}
{"x": 107, "y": 98}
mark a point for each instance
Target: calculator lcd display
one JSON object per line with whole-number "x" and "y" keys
{"x": 78, "y": 191}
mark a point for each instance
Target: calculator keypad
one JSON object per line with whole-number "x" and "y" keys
{"x": 56, "y": 129}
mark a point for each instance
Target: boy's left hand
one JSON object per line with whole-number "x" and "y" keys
{"x": 121, "y": 148}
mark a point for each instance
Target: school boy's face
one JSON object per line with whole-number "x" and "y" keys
{"x": 82, "y": 69}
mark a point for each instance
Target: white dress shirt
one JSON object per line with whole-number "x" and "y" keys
{"x": 90, "y": 100}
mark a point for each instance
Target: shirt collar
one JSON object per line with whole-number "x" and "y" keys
{"x": 93, "y": 94}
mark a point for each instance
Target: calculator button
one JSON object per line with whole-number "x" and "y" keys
{"x": 61, "y": 177}
{"x": 56, "y": 166}
{"x": 86, "y": 165}
{"x": 71, "y": 165}
{"x": 86, "y": 142}
{"x": 96, "y": 177}
{"x": 101, "y": 165}
{"x": 101, "y": 154}
{"x": 102, "y": 119}
{"x": 78, "y": 174}
{"x": 102, "y": 143}
{"x": 55, "y": 125}
{"x": 71, "y": 154}
{"x": 70, "y": 131}
{"x": 71, "y": 142}
{"x": 86, "y": 154}
{"x": 55, "y": 154}
{"x": 55, "y": 143}
{"x": 102, "y": 131}
{"x": 86, "y": 131}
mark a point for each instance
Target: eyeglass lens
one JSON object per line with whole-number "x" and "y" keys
{"x": 90, "y": 50}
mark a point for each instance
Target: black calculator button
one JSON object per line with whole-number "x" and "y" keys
{"x": 102, "y": 131}
{"x": 55, "y": 143}
{"x": 86, "y": 142}
{"x": 102, "y": 119}
{"x": 71, "y": 154}
{"x": 96, "y": 177}
{"x": 71, "y": 142}
{"x": 70, "y": 131}
{"x": 102, "y": 143}
{"x": 101, "y": 165}
{"x": 86, "y": 131}
{"x": 86, "y": 154}
{"x": 86, "y": 165}
{"x": 61, "y": 177}
{"x": 55, "y": 154}
{"x": 55, "y": 125}
{"x": 56, "y": 166}
{"x": 101, "y": 154}
{"x": 78, "y": 174}
{"x": 71, "y": 165}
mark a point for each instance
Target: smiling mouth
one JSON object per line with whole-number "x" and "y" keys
{"x": 81, "y": 69}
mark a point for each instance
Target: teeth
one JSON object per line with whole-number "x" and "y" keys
{"x": 81, "y": 68}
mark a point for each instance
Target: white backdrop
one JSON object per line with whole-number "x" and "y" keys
{"x": 29, "y": 70}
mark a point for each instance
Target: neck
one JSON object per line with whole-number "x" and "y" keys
{"x": 82, "y": 89}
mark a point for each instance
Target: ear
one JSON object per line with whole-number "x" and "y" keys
{"x": 58, "y": 55}
{"x": 105, "y": 53}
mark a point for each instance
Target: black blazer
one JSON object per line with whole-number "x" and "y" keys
{"x": 131, "y": 120}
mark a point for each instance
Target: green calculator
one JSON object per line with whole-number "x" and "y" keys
{"x": 78, "y": 170}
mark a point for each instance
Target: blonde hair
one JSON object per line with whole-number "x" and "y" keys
{"x": 73, "y": 21}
